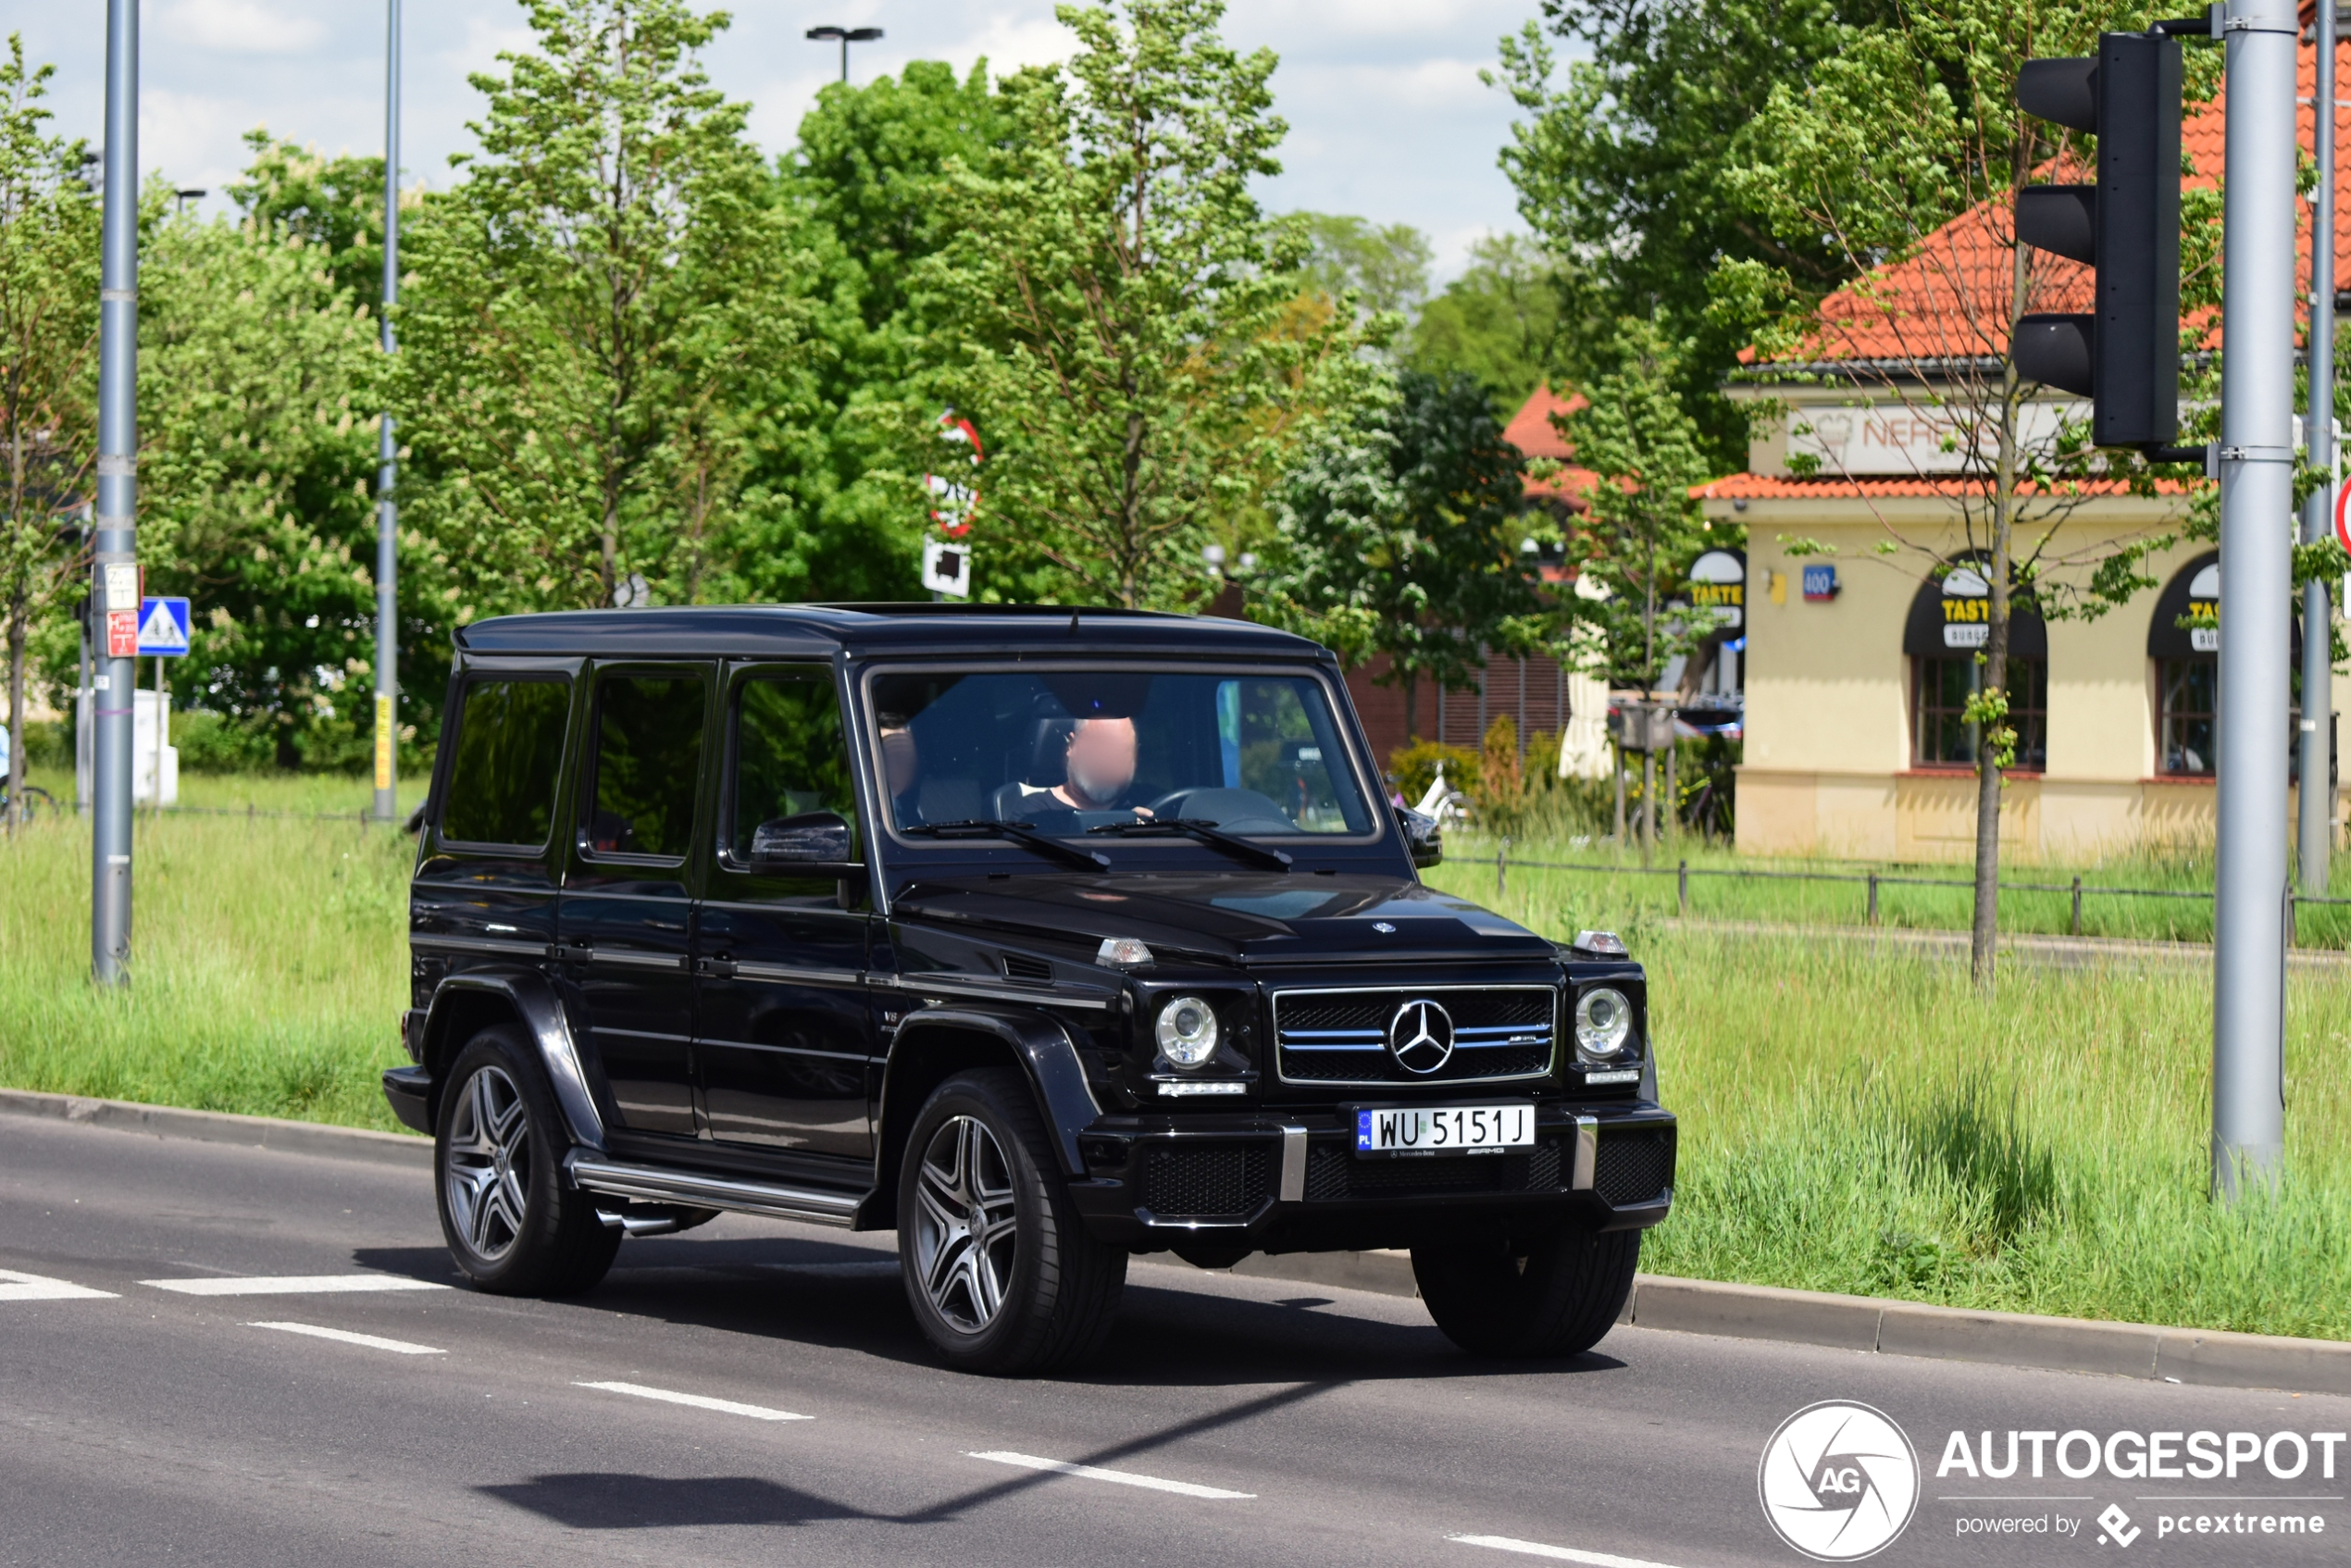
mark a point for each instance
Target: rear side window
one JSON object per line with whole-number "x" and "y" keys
{"x": 510, "y": 743}
{"x": 648, "y": 757}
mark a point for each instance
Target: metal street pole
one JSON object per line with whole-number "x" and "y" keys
{"x": 115, "y": 562}
{"x": 2315, "y": 839}
{"x": 2257, "y": 504}
{"x": 387, "y": 461}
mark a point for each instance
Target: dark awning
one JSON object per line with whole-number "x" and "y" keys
{"x": 1954, "y": 616}
{"x": 2193, "y": 595}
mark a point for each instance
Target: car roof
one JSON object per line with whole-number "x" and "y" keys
{"x": 755, "y": 632}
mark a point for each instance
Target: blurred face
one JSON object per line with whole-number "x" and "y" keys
{"x": 1102, "y": 760}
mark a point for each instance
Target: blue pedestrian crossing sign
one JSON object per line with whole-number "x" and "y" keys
{"x": 163, "y": 627}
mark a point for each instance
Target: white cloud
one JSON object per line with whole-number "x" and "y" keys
{"x": 252, "y": 27}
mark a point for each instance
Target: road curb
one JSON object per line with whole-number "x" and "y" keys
{"x": 221, "y": 1126}
{"x": 2208, "y": 1357}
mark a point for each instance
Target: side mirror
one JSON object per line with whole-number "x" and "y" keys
{"x": 820, "y": 836}
{"x": 1423, "y": 836}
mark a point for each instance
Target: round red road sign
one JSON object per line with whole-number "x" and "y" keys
{"x": 2342, "y": 520}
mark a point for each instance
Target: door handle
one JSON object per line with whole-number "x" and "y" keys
{"x": 721, "y": 968}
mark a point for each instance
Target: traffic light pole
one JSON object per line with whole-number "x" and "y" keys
{"x": 115, "y": 561}
{"x": 387, "y": 460}
{"x": 2257, "y": 497}
{"x": 2315, "y": 839}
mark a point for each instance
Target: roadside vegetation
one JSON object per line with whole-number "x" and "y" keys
{"x": 269, "y": 968}
{"x": 1854, "y": 1118}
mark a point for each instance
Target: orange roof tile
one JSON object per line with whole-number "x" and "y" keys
{"x": 1531, "y": 428}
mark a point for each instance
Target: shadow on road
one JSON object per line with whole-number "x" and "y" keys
{"x": 806, "y": 1291}
{"x": 603, "y": 1501}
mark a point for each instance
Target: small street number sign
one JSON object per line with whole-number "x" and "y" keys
{"x": 163, "y": 629}
{"x": 947, "y": 568}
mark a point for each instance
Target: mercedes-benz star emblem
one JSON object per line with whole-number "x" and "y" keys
{"x": 1421, "y": 1037}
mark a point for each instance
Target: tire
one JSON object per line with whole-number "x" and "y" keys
{"x": 37, "y": 803}
{"x": 1036, "y": 1291}
{"x": 1554, "y": 1295}
{"x": 512, "y": 1225}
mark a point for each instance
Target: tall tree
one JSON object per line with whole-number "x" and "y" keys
{"x": 1623, "y": 164}
{"x": 1901, "y": 154}
{"x": 1643, "y": 529}
{"x": 1509, "y": 319}
{"x": 1398, "y": 534}
{"x": 1118, "y": 310}
{"x": 825, "y": 513}
{"x": 1387, "y": 266}
{"x": 48, "y": 339}
{"x": 592, "y": 303}
{"x": 257, "y": 393}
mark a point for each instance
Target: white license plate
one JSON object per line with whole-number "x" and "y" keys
{"x": 1445, "y": 1130}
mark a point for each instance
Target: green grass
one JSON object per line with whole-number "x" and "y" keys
{"x": 1862, "y": 1120}
{"x": 268, "y": 969}
{"x": 1609, "y": 887}
{"x": 1853, "y": 1119}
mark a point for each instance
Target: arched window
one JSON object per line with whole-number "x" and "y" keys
{"x": 2184, "y": 639}
{"x": 1949, "y": 627}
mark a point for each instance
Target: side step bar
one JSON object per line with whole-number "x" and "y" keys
{"x": 696, "y": 1190}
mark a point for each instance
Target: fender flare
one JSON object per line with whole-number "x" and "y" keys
{"x": 541, "y": 1012}
{"x": 1044, "y": 1047}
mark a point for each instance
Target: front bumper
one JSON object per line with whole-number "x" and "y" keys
{"x": 1293, "y": 1182}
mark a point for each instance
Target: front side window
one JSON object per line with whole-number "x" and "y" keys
{"x": 1067, "y": 752}
{"x": 1939, "y": 699}
{"x": 790, "y": 791}
{"x": 2188, "y": 688}
{"x": 510, "y": 744}
{"x": 648, "y": 755}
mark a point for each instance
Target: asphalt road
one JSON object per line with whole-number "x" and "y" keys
{"x": 1241, "y": 1420}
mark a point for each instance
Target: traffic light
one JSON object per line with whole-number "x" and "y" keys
{"x": 2125, "y": 356}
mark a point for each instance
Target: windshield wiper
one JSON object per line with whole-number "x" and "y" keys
{"x": 1206, "y": 832}
{"x": 1021, "y": 833}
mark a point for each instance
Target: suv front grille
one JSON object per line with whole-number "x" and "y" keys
{"x": 1192, "y": 1181}
{"x": 1631, "y": 1167}
{"x": 1334, "y": 1173}
{"x": 1340, "y": 1037}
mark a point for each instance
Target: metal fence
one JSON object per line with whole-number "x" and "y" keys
{"x": 1682, "y": 871}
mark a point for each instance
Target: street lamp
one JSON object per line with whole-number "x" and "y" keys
{"x": 846, "y": 35}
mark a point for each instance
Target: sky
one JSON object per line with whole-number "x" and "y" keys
{"x": 1387, "y": 117}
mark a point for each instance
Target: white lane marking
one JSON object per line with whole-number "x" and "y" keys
{"x": 294, "y": 1285}
{"x": 15, "y": 1286}
{"x": 345, "y": 1336}
{"x": 1556, "y": 1553}
{"x": 1123, "y": 1477}
{"x": 700, "y": 1401}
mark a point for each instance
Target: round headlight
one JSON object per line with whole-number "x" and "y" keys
{"x": 1603, "y": 1023}
{"x": 1187, "y": 1031}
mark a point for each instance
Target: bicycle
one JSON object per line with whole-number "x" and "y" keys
{"x": 37, "y": 803}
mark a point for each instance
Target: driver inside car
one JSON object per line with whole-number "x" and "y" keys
{"x": 1098, "y": 770}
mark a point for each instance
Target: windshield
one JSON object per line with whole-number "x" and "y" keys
{"x": 1073, "y": 752}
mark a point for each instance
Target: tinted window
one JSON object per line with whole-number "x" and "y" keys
{"x": 1074, "y": 751}
{"x": 790, "y": 759}
{"x": 510, "y": 741}
{"x": 648, "y": 755}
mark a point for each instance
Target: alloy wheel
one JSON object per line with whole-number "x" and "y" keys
{"x": 966, "y": 1224}
{"x": 488, "y": 1173}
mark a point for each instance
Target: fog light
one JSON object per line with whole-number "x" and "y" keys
{"x": 1603, "y": 1023}
{"x": 1187, "y": 1031}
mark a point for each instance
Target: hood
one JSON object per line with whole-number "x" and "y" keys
{"x": 1237, "y": 917}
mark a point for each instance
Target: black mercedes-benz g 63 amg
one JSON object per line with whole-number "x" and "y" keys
{"x": 1042, "y": 937}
